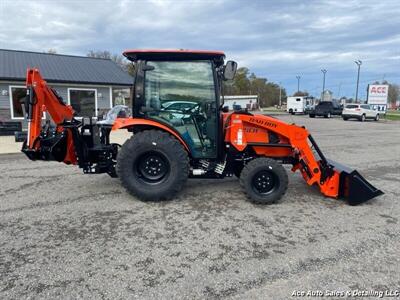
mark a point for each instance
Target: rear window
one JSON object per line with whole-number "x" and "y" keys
{"x": 325, "y": 104}
{"x": 352, "y": 106}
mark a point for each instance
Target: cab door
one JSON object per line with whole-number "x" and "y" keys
{"x": 182, "y": 94}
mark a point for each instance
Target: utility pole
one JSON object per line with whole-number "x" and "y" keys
{"x": 298, "y": 83}
{"x": 280, "y": 94}
{"x": 358, "y": 63}
{"x": 323, "y": 85}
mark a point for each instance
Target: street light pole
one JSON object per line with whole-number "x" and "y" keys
{"x": 358, "y": 63}
{"x": 340, "y": 85}
{"x": 280, "y": 94}
{"x": 298, "y": 83}
{"x": 323, "y": 85}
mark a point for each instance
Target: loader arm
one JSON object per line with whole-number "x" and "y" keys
{"x": 295, "y": 144}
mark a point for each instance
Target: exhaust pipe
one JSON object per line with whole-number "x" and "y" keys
{"x": 353, "y": 187}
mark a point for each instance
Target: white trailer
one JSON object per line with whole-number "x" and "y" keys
{"x": 299, "y": 104}
{"x": 296, "y": 105}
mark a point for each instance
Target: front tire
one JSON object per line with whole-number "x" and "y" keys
{"x": 311, "y": 115}
{"x": 153, "y": 165}
{"x": 377, "y": 117}
{"x": 264, "y": 180}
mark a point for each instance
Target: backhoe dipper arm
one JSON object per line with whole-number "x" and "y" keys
{"x": 41, "y": 98}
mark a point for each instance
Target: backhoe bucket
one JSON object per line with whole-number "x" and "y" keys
{"x": 352, "y": 186}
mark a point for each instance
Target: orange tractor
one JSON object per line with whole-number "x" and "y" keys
{"x": 181, "y": 129}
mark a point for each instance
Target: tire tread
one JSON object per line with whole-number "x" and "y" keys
{"x": 165, "y": 141}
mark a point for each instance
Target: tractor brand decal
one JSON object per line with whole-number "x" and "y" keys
{"x": 262, "y": 122}
{"x": 251, "y": 130}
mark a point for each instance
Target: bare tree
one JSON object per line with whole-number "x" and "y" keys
{"x": 117, "y": 58}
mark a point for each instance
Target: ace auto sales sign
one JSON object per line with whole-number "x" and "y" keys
{"x": 378, "y": 96}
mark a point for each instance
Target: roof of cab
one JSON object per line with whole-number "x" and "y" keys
{"x": 176, "y": 54}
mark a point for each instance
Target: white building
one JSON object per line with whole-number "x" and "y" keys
{"x": 244, "y": 101}
{"x": 327, "y": 95}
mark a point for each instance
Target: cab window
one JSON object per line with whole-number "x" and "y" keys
{"x": 182, "y": 94}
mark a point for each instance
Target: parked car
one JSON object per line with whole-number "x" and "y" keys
{"x": 360, "y": 112}
{"x": 326, "y": 109}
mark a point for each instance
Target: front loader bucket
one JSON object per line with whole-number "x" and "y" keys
{"x": 352, "y": 186}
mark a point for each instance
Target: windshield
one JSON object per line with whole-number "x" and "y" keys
{"x": 180, "y": 81}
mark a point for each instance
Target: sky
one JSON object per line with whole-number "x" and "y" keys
{"x": 277, "y": 40}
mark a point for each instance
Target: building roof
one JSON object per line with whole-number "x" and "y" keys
{"x": 62, "y": 68}
{"x": 174, "y": 54}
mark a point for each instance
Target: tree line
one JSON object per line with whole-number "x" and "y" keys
{"x": 117, "y": 58}
{"x": 246, "y": 83}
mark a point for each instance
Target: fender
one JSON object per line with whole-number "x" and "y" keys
{"x": 124, "y": 123}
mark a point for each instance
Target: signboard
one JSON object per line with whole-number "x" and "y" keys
{"x": 378, "y": 96}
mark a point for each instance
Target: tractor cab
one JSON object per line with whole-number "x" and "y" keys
{"x": 181, "y": 90}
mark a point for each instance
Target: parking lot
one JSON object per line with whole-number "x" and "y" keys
{"x": 68, "y": 235}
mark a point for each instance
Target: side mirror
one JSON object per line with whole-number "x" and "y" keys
{"x": 230, "y": 70}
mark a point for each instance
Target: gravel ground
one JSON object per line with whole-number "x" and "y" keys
{"x": 68, "y": 235}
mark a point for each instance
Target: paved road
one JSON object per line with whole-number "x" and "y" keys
{"x": 68, "y": 235}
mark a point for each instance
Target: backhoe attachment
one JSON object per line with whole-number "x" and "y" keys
{"x": 77, "y": 141}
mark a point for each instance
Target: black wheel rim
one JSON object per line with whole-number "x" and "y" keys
{"x": 152, "y": 167}
{"x": 265, "y": 182}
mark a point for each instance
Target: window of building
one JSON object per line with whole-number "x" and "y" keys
{"x": 17, "y": 94}
{"x": 83, "y": 101}
{"x": 121, "y": 96}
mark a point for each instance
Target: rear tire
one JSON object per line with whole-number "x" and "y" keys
{"x": 312, "y": 115}
{"x": 264, "y": 180}
{"x": 153, "y": 165}
{"x": 345, "y": 118}
{"x": 362, "y": 118}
